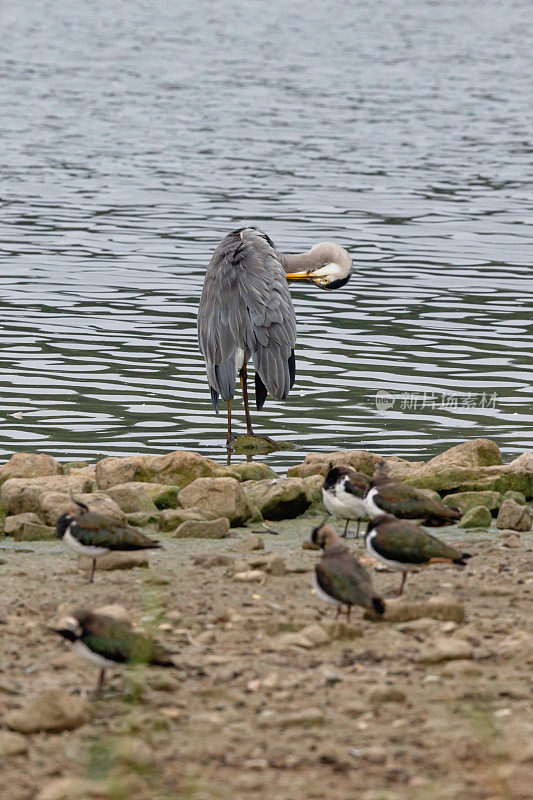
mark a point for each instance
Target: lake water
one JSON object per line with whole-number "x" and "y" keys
{"x": 134, "y": 135}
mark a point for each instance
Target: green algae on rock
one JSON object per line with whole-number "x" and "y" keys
{"x": 259, "y": 445}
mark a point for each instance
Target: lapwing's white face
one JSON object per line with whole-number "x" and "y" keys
{"x": 71, "y": 625}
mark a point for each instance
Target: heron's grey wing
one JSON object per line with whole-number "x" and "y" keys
{"x": 246, "y": 306}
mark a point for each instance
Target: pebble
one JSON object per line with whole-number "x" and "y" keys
{"x": 306, "y": 718}
{"x": 53, "y": 710}
{"x": 12, "y": 744}
{"x": 442, "y": 608}
{"x": 445, "y": 648}
{"x": 250, "y": 576}
{"x": 386, "y": 694}
{"x": 249, "y": 542}
{"x": 116, "y": 611}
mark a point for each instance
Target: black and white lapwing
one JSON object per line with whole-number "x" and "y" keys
{"x": 386, "y": 496}
{"x": 403, "y": 545}
{"x": 339, "y": 578}
{"x": 108, "y": 642}
{"x": 92, "y": 534}
{"x": 343, "y": 493}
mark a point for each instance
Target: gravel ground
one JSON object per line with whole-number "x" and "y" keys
{"x": 364, "y": 710}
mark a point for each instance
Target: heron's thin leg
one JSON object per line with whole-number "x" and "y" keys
{"x": 346, "y": 527}
{"x": 228, "y": 440}
{"x": 244, "y": 385}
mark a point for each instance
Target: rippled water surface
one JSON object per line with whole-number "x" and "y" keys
{"x": 135, "y": 135}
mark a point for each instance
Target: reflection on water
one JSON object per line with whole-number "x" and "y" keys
{"x": 135, "y": 135}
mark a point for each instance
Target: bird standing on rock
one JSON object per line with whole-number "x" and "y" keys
{"x": 107, "y": 642}
{"x": 403, "y": 545}
{"x": 339, "y": 577}
{"x": 92, "y": 534}
{"x": 246, "y": 313}
{"x": 343, "y": 493}
{"x": 386, "y": 496}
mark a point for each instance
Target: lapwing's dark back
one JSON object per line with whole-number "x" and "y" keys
{"x": 245, "y": 313}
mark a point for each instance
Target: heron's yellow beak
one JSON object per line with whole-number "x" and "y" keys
{"x": 299, "y": 276}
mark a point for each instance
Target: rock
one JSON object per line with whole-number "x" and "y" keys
{"x": 313, "y": 488}
{"x": 12, "y": 744}
{"x": 202, "y": 529}
{"x": 70, "y": 466}
{"x": 16, "y": 522}
{"x": 25, "y": 494}
{"x": 513, "y": 516}
{"x": 133, "y": 752}
{"x": 518, "y": 497}
{"x": 117, "y": 612}
{"x": 461, "y": 668}
{"x": 218, "y": 497}
{"x": 29, "y": 465}
{"x": 74, "y": 789}
{"x": 142, "y": 519}
{"x": 316, "y": 634}
{"x": 289, "y": 640}
{"x": 283, "y": 498}
{"x": 131, "y": 497}
{"x": 276, "y": 566}
{"x": 442, "y": 608}
{"x": 444, "y": 648}
{"x": 170, "y": 518}
{"x": 208, "y": 560}
{"x": 54, "y": 710}
{"x": 3, "y": 515}
{"x": 524, "y": 461}
{"x": 321, "y": 463}
{"x": 510, "y": 539}
{"x": 32, "y": 532}
{"x": 252, "y": 471}
{"x": 115, "y": 560}
{"x": 179, "y": 468}
{"x": 477, "y": 517}
{"x": 306, "y": 718}
{"x": 386, "y": 694}
{"x": 250, "y": 576}
{"x": 307, "y": 544}
{"x": 465, "y": 501}
{"x": 53, "y": 504}
{"x": 248, "y": 543}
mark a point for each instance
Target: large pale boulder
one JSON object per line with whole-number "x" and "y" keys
{"x": 218, "y": 497}
{"x": 33, "y": 532}
{"x": 473, "y": 453}
{"x": 25, "y": 494}
{"x": 252, "y": 471}
{"x": 16, "y": 522}
{"x": 476, "y": 517}
{"x": 176, "y": 469}
{"x": 53, "y": 710}
{"x": 29, "y": 465}
{"x": 360, "y": 460}
{"x": 283, "y": 498}
{"x": 131, "y": 497}
{"x": 54, "y": 504}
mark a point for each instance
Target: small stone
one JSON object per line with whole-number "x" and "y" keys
{"x": 306, "y": 718}
{"x": 461, "y": 668}
{"x": 53, "y": 710}
{"x": 444, "y": 648}
{"x": 513, "y": 516}
{"x": 477, "y": 517}
{"x": 386, "y": 694}
{"x": 208, "y": 560}
{"x": 74, "y": 789}
{"x": 15, "y": 523}
{"x": 330, "y": 674}
{"x": 203, "y": 529}
{"x": 12, "y": 744}
{"x": 248, "y": 543}
{"x": 250, "y": 576}
{"x": 288, "y": 640}
{"x": 116, "y": 612}
{"x": 276, "y": 566}
{"x": 115, "y": 560}
{"x": 307, "y": 544}
{"x": 441, "y": 608}
{"x": 375, "y": 755}
{"x": 510, "y": 539}
{"x": 315, "y": 634}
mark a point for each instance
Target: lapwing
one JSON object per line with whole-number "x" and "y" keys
{"x": 386, "y": 496}
{"x": 403, "y": 545}
{"x": 92, "y": 534}
{"x": 108, "y": 642}
{"x": 339, "y": 578}
{"x": 343, "y": 494}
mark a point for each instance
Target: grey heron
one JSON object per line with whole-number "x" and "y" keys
{"x": 246, "y": 313}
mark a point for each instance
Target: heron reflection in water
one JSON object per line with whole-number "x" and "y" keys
{"x": 246, "y": 312}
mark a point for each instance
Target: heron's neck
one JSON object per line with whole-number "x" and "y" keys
{"x": 323, "y": 253}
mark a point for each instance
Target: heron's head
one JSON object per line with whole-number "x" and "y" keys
{"x": 333, "y": 268}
